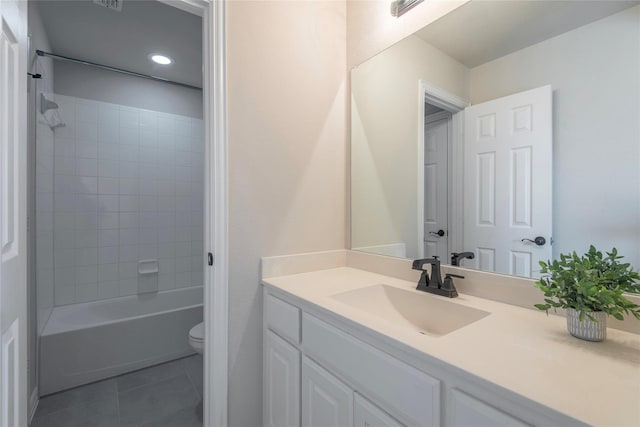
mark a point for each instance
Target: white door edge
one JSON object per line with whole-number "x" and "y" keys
{"x": 216, "y": 300}
{"x": 442, "y": 98}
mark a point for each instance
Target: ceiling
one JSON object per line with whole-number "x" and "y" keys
{"x": 84, "y": 30}
{"x": 484, "y": 30}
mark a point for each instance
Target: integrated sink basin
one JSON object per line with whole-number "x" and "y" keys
{"x": 421, "y": 312}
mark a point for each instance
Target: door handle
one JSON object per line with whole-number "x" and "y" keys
{"x": 438, "y": 233}
{"x": 540, "y": 241}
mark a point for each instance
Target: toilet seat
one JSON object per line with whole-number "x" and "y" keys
{"x": 196, "y": 337}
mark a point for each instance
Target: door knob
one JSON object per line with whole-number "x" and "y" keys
{"x": 540, "y": 241}
{"x": 438, "y": 233}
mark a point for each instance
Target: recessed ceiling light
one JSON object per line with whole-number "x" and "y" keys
{"x": 160, "y": 59}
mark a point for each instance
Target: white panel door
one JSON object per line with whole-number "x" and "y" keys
{"x": 281, "y": 382}
{"x": 466, "y": 410}
{"x": 366, "y": 414}
{"x": 326, "y": 401}
{"x": 436, "y": 137}
{"x": 507, "y": 182}
{"x": 13, "y": 213}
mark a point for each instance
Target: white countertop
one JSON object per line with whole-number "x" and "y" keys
{"x": 521, "y": 350}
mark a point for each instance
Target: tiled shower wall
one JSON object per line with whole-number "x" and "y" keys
{"x": 128, "y": 186}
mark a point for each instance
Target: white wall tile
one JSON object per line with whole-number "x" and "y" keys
{"x": 129, "y": 136}
{"x": 85, "y": 221}
{"x": 64, "y": 165}
{"x": 108, "y": 203}
{"x": 128, "y": 253}
{"x": 127, "y": 270}
{"x": 107, "y": 254}
{"x": 128, "y": 287}
{"x": 87, "y": 166}
{"x": 108, "y": 220}
{"x": 148, "y": 236}
{"x": 129, "y": 186}
{"x": 86, "y": 274}
{"x": 129, "y": 203}
{"x": 86, "y": 239}
{"x": 115, "y": 186}
{"x": 108, "y": 237}
{"x": 166, "y": 281}
{"x": 86, "y": 132}
{"x": 88, "y": 185}
{"x": 108, "y": 185}
{"x": 108, "y": 151}
{"x": 128, "y": 236}
{"x": 129, "y": 118}
{"x": 86, "y": 292}
{"x": 87, "y": 111}
{"x": 108, "y": 168}
{"x": 108, "y": 273}
{"x": 129, "y": 220}
{"x": 183, "y": 279}
{"x": 64, "y": 295}
{"x": 87, "y": 150}
{"x": 108, "y": 289}
{"x": 65, "y": 148}
{"x": 86, "y": 256}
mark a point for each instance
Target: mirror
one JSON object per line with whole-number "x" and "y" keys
{"x": 509, "y": 129}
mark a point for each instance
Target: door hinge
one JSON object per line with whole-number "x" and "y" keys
{"x": 210, "y": 258}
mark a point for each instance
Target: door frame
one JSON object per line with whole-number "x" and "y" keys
{"x": 216, "y": 283}
{"x": 432, "y": 94}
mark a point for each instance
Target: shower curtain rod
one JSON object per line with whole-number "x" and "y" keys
{"x": 117, "y": 70}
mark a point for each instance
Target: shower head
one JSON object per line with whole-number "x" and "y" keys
{"x": 46, "y": 104}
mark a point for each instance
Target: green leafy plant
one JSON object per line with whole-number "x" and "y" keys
{"x": 587, "y": 283}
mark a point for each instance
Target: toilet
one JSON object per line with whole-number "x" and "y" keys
{"x": 196, "y": 337}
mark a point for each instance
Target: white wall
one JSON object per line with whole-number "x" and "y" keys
{"x": 128, "y": 186}
{"x": 286, "y": 83}
{"x": 594, "y": 71}
{"x": 87, "y": 82}
{"x": 384, "y": 139}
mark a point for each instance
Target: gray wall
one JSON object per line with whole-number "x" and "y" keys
{"x": 87, "y": 82}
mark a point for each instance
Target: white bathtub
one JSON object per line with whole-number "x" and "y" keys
{"x": 86, "y": 342}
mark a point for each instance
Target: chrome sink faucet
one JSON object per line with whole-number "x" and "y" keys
{"x": 435, "y": 284}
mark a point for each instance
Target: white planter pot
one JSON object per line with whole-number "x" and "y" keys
{"x": 587, "y": 329}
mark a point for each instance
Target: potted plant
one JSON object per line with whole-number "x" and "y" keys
{"x": 590, "y": 287}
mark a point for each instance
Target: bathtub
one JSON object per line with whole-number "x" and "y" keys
{"x": 86, "y": 342}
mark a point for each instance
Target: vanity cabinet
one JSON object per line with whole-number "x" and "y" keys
{"x": 326, "y": 401}
{"x": 366, "y": 414}
{"x": 281, "y": 382}
{"x": 466, "y": 410}
{"x": 318, "y": 375}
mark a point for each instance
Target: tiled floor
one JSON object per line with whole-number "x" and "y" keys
{"x": 167, "y": 395}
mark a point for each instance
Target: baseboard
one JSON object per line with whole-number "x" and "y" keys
{"x": 34, "y": 399}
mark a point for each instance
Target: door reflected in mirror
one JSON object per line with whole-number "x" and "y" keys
{"x": 508, "y": 129}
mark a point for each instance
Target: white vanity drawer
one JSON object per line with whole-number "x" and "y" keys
{"x": 408, "y": 394}
{"x": 282, "y": 318}
{"x": 366, "y": 414}
{"x": 466, "y": 410}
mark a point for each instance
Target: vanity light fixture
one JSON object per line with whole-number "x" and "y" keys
{"x": 400, "y": 7}
{"x": 160, "y": 59}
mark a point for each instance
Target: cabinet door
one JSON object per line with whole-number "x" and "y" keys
{"x": 281, "y": 382}
{"x": 469, "y": 411}
{"x": 366, "y": 414}
{"x": 326, "y": 401}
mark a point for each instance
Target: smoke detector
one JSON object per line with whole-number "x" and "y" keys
{"x": 110, "y": 4}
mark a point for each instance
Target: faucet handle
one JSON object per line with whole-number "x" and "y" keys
{"x": 417, "y": 264}
{"x": 447, "y": 284}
